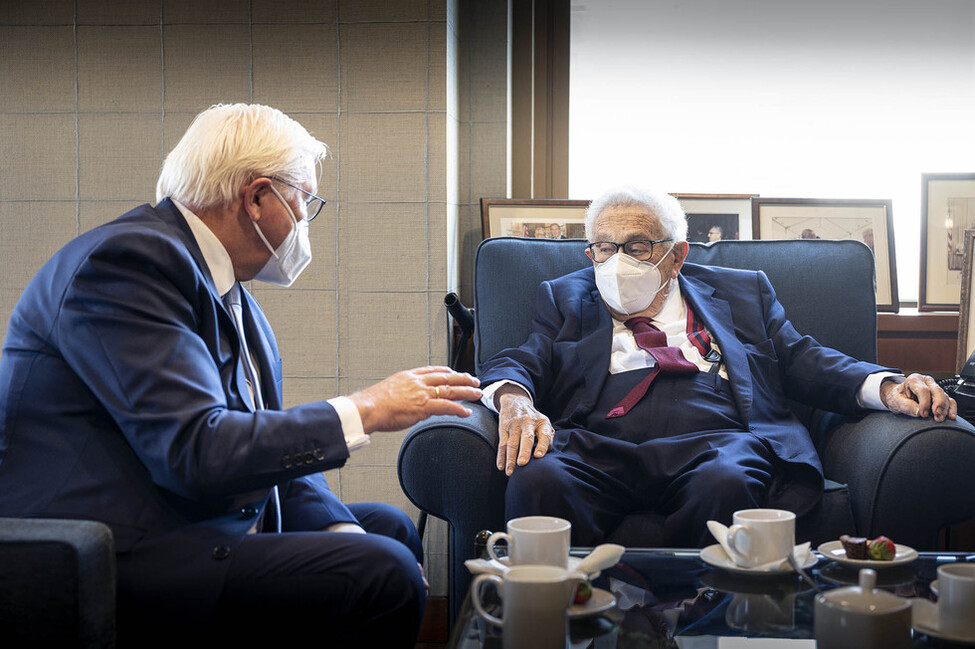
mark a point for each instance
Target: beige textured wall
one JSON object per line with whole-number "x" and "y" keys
{"x": 95, "y": 92}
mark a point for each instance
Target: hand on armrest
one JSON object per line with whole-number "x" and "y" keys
{"x": 519, "y": 426}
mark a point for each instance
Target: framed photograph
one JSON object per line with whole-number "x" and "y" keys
{"x": 947, "y": 210}
{"x": 712, "y": 217}
{"x": 869, "y": 221}
{"x": 966, "y": 319}
{"x": 540, "y": 218}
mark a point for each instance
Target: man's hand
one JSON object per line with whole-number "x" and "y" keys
{"x": 918, "y": 396}
{"x": 410, "y": 396}
{"x": 519, "y": 424}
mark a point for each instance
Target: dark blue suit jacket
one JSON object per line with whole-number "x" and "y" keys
{"x": 565, "y": 362}
{"x": 120, "y": 401}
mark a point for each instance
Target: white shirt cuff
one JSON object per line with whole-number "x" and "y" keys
{"x": 869, "y": 393}
{"x": 355, "y": 436}
{"x": 487, "y": 394}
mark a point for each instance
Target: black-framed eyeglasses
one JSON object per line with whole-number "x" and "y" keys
{"x": 640, "y": 250}
{"x": 313, "y": 204}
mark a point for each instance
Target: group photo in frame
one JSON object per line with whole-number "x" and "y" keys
{"x": 868, "y": 221}
{"x": 966, "y": 317}
{"x": 716, "y": 217}
{"x": 538, "y": 218}
{"x": 947, "y": 210}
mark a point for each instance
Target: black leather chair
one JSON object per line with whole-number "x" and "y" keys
{"x": 57, "y": 583}
{"x": 886, "y": 474}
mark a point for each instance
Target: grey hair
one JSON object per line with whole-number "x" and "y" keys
{"x": 664, "y": 206}
{"x": 229, "y": 145}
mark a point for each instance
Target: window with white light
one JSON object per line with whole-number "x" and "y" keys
{"x": 781, "y": 98}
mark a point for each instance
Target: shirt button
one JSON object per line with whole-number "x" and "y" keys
{"x": 221, "y": 552}
{"x": 248, "y": 512}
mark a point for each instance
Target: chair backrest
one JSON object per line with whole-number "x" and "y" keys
{"x": 826, "y": 287}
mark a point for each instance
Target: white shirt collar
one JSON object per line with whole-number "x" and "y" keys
{"x": 673, "y": 308}
{"x": 214, "y": 254}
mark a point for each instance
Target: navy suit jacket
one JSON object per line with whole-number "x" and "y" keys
{"x": 565, "y": 362}
{"x": 121, "y": 401}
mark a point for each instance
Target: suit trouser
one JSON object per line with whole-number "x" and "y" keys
{"x": 342, "y": 589}
{"x": 680, "y": 452}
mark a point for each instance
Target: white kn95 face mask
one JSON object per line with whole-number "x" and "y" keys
{"x": 628, "y": 285}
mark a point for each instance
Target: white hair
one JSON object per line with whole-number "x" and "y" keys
{"x": 663, "y": 206}
{"x": 229, "y": 145}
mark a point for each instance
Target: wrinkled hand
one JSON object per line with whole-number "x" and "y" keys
{"x": 519, "y": 425}
{"x": 918, "y": 396}
{"x": 410, "y": 396}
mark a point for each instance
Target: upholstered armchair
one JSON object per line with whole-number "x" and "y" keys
{"x": 886, "y": 474}
{"x": 57, "y": 583}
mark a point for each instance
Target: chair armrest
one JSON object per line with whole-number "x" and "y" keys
{"x": 57, "y": 582}
{"x": 908, "y": 477}
{"x": 447, "y": 468}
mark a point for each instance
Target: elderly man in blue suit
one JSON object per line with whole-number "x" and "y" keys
{"x": 140, "y": 386}
{"x": 648, "y": 384}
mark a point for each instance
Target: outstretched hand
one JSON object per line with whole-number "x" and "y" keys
{"x": 410, "y": 396}
{"x": 519, "y": 426}
{"x": 918, "y": 396}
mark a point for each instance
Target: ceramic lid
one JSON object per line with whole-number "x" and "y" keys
{"x": 865, "y": 598}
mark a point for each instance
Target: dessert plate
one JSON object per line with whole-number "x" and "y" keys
{"x": 601, "y": 600}
{"x": 834, "y": 550}
{"x": 715, "y": 556}
{"x": 925, "y": 618}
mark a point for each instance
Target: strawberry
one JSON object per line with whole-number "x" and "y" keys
{"x": 583, "y": 592}
{"x": 881, "y": 549}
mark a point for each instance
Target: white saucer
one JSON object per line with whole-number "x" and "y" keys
{"x": 601, "y": 600}
{"x": 834, "y": 551}
{"x": 924, "y": 618}
{"x": 715, "y": 556}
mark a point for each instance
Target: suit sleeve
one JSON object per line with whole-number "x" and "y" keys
{"x": 811, "y": 373}
{"x": 530, "y": 364}
{"x": 134, "y": 326}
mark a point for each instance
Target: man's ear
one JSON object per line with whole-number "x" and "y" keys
{"x": 680, "y": 254}
{"x": 252, "y": 196}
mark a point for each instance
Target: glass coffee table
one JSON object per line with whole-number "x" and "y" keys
{"x": 672, "y": 598}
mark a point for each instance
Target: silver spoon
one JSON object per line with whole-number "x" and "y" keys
{"x": 799, "y": 569}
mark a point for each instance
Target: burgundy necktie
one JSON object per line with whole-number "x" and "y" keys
{"x": 670, "y": 360}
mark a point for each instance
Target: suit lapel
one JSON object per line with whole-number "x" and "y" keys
{"x": 716, "y": 315}
{"x": 594, "y": 347}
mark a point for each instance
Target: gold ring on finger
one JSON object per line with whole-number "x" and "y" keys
{"x": 437, "y": 391}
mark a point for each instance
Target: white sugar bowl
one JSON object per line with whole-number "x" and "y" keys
{"x": 862, "y": 617}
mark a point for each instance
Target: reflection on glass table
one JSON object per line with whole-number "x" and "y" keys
{"x": 670, "y": 598}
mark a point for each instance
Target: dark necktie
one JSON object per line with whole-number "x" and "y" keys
{"x": 670, "y": 360}
{"x": 232, "y": 301}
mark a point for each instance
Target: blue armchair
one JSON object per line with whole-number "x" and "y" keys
{"x": 886, "y": 474}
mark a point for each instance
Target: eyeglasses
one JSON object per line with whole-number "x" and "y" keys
{"x": 313, "y": 205}
{"x": 640, "y": 250}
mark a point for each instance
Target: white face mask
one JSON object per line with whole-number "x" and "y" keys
{"x": 291, "y": 257}
{"x": 628, "y": 285}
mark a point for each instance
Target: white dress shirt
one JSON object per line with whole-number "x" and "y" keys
{"x": 222, "y": 270}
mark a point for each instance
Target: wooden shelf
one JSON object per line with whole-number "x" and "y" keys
{"x": 915, "y": 341}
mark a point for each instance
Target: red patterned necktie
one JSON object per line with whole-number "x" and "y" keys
{"x": 670, "y": 360}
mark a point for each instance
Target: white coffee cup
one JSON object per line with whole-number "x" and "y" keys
{"x": 956, "y": 599}
{"x": 534, "y": 604}
{"x": 535, "y": 540}
{"x": 761, "y": 536}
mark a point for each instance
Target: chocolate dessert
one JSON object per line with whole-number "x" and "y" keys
{"x": 855, "y": 546}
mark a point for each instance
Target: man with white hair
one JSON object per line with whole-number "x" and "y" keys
{"x": 648, "y": 384}
{"x": 141, "y": 387}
